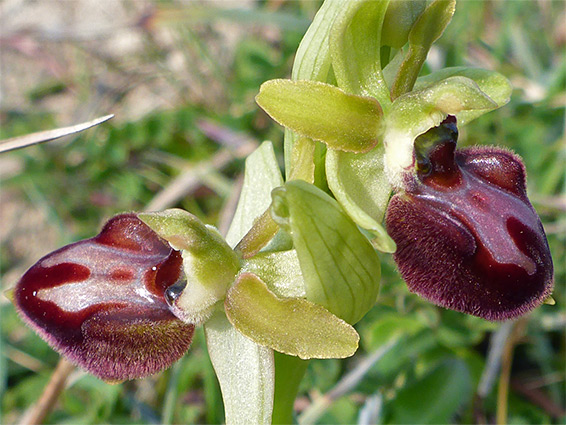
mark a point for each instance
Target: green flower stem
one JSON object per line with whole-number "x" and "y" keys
{"x": 289, "y": 372}
{"x": 262, "y": 231}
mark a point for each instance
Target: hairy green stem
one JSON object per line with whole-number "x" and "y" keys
{"x": 289, "y": 372}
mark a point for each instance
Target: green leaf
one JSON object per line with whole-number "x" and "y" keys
{"x": 436, "y": 398}
{"x": 418, "y": 111}
{"x": 210, "y": 264}
{"x": 398, "y": 21}
{"x": 355, "y": 46}
{"x": 360, "y": 185}
{"x": 427, "y": 29}
{"x": 323, "y": 112}
{"x": 493, "y": 84}
{"x": 340, "y": 268}
{"x": 262, "y": 175}
{"x": 245, "y": 370}
{"x": 280, "y": 270}
{"x": 292, "y": 326}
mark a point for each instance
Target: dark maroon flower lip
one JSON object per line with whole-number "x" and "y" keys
{"x": 101, "y": 301}
{"x": 467, "y": 236}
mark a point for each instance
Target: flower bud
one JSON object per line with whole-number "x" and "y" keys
{"x": 467, "y": 236}
{"x": 101, "y": 303}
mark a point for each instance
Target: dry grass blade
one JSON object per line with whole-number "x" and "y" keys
{"x": 344, "y": 386}
{"x": 38, "y": 412}
{"x": 48, "y": 135}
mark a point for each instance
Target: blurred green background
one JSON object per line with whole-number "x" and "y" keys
{"x": 181, "y": 79}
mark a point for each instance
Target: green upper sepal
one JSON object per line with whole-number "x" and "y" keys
{"x": 340, "y": 268}
{"x": 293, "y": 326}
{"x": 323, "y": 112}
{"x": 209, "y": 263}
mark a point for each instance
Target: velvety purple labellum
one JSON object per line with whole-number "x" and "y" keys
{"x": 101, "y": 301}
{"x": 467, "y": 236}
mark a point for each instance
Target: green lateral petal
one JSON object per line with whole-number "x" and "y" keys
{"x": 245, "y": 371}
{"x": 210, "y": 264}
{"x": 492, "y": 83}
{"x": 416, "y": 112}
{"x": 323, "y": 112}
{"x": 262, "y": 175}
{"x": 360, "y": 185}
{"x": 280, "y": 270}
{"x": 340, "y": 268}
{"x": 312, "y": 61}
{"x": 292, "y": 326}
{"x": 355, "y": 46}
{"x": 427, "y": 29}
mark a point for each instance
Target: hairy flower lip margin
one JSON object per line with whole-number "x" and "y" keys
{"x": 93, "y": 299}
{"x": 467, "y": 236}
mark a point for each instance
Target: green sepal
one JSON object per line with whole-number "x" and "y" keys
{"x": 245, "y": 371}
{"x": 209, "y": 263}
{"x": 399, "y": 19}
{"x": 360, "y": 185}
{"x": 340, "y": 268}
{"x": 292, "y": 326}
{"x": 323, "y": 112}
{"x": 280, "y": 270}
{"x": 492, "y": 83}
{"x": 355, "y": 42}
{"x": 418, "y": 111}
{"x": 426, "y": 30}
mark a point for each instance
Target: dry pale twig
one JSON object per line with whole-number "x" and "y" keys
{"x": 41, "y": 409}
{"x": 238, "y": 146}
{"x": 345, "y": 385}
{"x": 48, "y": 135}
{"x": 505, "y": 375}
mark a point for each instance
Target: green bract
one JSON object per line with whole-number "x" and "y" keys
{"x": 425, "y": 31}
{"x": 355, "y": 42}
{"x": 245, "y": 369}
{"x": 399, "y": 19}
